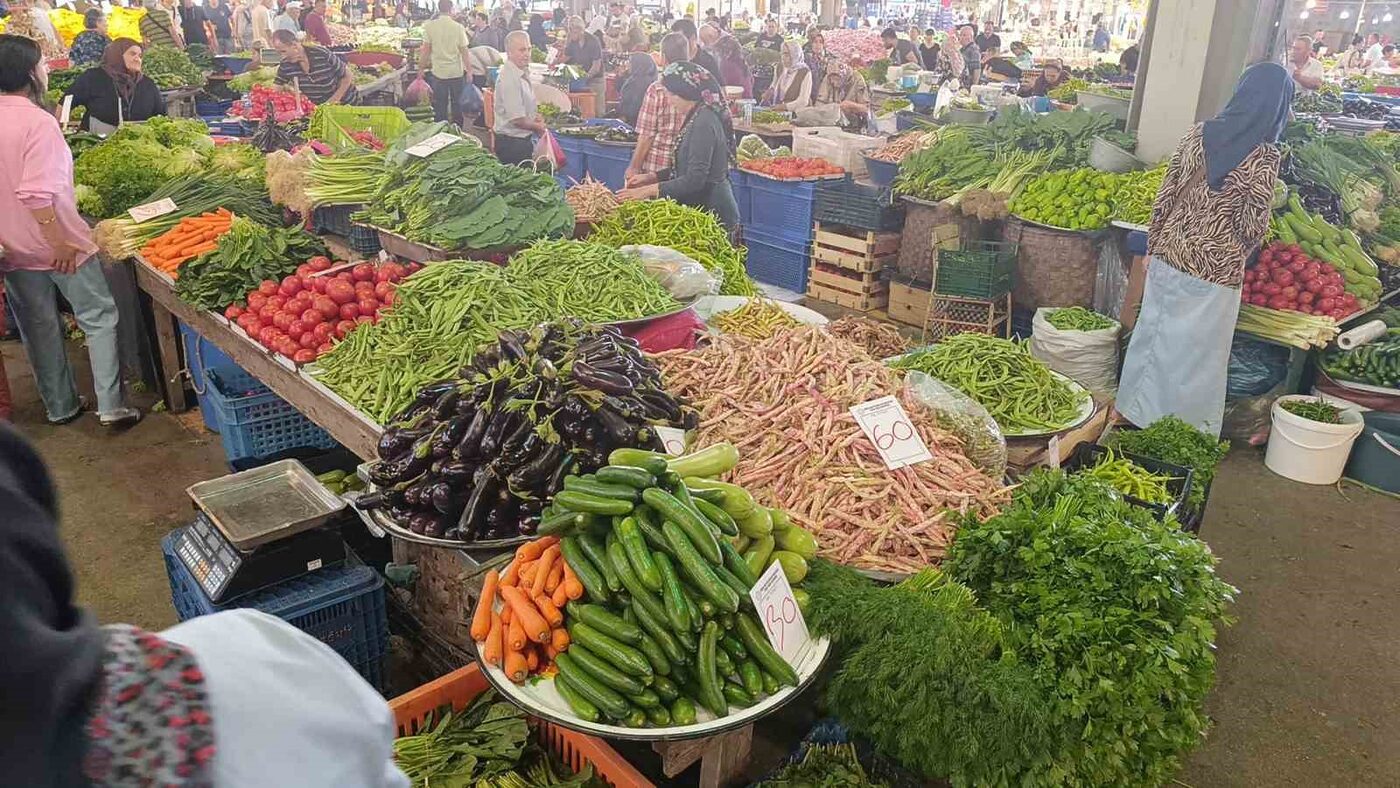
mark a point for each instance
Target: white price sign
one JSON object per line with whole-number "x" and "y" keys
{"x": 779, "y": 614}
{"x": 67, "y": 111}
{"x": 673, "y": 439}
{"x": 888, "y": 427}
{"x": 151, "y": 210}
{"x": 433, "y": 144}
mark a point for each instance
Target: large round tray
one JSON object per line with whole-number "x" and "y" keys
{"x": 639, "y": 321}
{"x": 538, "y": 697}
{"x": 709, "y": 306}
{"x": 1086, "y": 410}
{"x": 391, "y": 526}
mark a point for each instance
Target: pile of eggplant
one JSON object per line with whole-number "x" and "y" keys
{"x": 479, "y": 457}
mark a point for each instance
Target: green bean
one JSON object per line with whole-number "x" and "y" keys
{"x": 590, "y": 281}
{"x": 1077, "y": 318}
{"x": 690, "y": 231}
{"x": 1129, "y": 478}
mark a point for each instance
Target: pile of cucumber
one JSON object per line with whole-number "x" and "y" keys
{"x": 666, "y": 624}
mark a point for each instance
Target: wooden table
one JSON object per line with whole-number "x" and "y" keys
{"x": 329, "y": 412}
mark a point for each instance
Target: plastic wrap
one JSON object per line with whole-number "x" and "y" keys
{"x": 1089, "y": 358}
{"x": 1111, "y": 282}
{"x": 1255, "y": 368}
{"x": 964, "y": 417}
{"x": 682, "y": 276}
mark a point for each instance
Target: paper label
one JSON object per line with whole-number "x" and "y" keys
{"x": 1052, "y": 452}
{"x": 151, "y": 210}
{"x": 888, "y": 427}
{"x": 67, "y": 110}
{"x": 779, "y": 614}
{"x": 673, "y": 439}
{"x": 312, "y": 566}
{"x": 433, "y": 144}
{"x": 383, "y": 256}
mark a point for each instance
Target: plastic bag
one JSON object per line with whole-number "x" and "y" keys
{"x": 683, "y": 277}
{"x": 820, "y": 115}
{"x": 1089, "y": 358}
{"x": 1111, "y": 283}
{"x": 547, "y": 149}
{"x": 472, "y": 103}
{"x": 1255, "y": 368}
{"x": 961, "y": 415}
{"x": 418, "y": 92}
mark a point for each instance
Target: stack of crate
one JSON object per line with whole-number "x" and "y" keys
{"x": 848, "y": 265}
{"x": 972, "y": 290}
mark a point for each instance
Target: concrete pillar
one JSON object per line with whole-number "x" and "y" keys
{"x": 1192, "y": 54}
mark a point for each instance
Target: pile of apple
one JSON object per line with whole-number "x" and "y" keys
{"x": 305, "y": 314}
{"x": 1287, "y": 279}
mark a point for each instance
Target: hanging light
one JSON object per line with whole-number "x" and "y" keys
{"x": 1310, "y": 4}
{"x": 1346, "y": 14}
{"x": 1303, "y": 15}
{"x": 1387, "y": 17}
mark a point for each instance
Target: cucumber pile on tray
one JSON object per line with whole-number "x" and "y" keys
{"x": 665, "y": 625}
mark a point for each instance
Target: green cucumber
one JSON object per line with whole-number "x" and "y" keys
{"x": 660, "y": 665}
{"x": 672, "y": 597}
{"x": 737, "y": 566}
{"x": 738, "y": 586}
{"x": 726, "y": 621}
{"x": 590, "y": 485}
{"x": 598, "y": 555}
{"x": 636, "y": 718}
{"x": 665, "y": 689}
{"x": 708, "y": 462}
{"x": 796, "y": 540}
{"x": 683, "y": 711}
{"x": 607, "y": 622}
{"x": 636, "y": 478}
{"x": 561, "y": 523}
{"x": 650, "y": 525}
{"x": 594, "y": 584}
{"x": 758, "y": 524}
{"x": 582, "y": 707}
{"x": 1303, "y": 228}
{"x": 753, "y": 638}
{"x": 757, "y": 555}
{"x": 733, "y": 647}
{"x": 715, "y": 497}
{"x": 659, "y": 632}
{"x": 604, "y": 671}
{"x": 723, "y": 664}
{"x": 658, "y": 717}
{"x": 575, "y": 501}
{"x": 736, "y": 694}
{"x": 770, "y": 684}
{"x": 693, "y": 526}
{"x": 622, "y": 656}
{"x": 607, "y": 701}
{"x": 638, "y": 556}
{"x": 739, "y": 543}
{"x": 641, "y": 595}
{"x": 680, "y": 672}
{"x": 752, "y": 677}
{"x": 683, "y": 495}
{"x": 716, "y": 515}
{"x": 649, "y": 461}
{"x": 646, "y": 699}
{"x": 734, "y": 499}
{"x": 707, "y": 676}
{"x": 695, "y": 568}
{"x": 794, "y": 565}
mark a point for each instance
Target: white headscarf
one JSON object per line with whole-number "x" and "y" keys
{"x": 794, "y": 51}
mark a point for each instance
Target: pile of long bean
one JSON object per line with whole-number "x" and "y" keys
{"x": 690, "y": 231}
{"x": 1077, "y": 318}
{"x": 589, "y": 281}
{"x": 880, "y": 340}
{"x": 1129, "y": 478}
{"x": 1015, "y": 387}
{"x": 758, "y": 318}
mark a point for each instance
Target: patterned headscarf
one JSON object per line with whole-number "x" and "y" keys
{"x": 696, "y": 83}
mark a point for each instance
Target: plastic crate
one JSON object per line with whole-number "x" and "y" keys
{"x": 777, "y": 261}
{"x": 413, "y": 712}
{"x": 575, "y": 158}
{"x": 783, "y": 209}
{"x": 1087, "y": 455}
{"x": 201, "y": 354}
{"x": 334, "y": 219}
{"x": 742, "y": 186}
{"x": 231, "y": 64}
{"x": 607, "y": 162}
{"x": 881, "y": 173}
{"x": 341, "y": 606}
{"x": 981, "y": 269}
{"x": 335, "y": 123}
{"x": 212, "y": 109}
{"x": 854, "y": 205}
{"x": 254, "y": 422}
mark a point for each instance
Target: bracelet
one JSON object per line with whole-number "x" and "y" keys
{"x": 43, "y": 223}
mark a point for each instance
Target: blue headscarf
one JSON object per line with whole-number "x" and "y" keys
{"x": 1255, "y": 116}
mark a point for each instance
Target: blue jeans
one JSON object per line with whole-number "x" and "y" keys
{"x": 32, "y": 295}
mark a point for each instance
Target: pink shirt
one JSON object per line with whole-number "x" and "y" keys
{"x": 36, "y": 171}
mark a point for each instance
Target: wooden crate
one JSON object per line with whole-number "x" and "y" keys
{"x": 908, "y": 304}
{"x": 843, "y": 247}
{"x": 949, "y": 315}
{"x": 842, "y": 286}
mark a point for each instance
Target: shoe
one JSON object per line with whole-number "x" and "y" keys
{"x": 121, "y": 417}
{"x": 82, "y": 407}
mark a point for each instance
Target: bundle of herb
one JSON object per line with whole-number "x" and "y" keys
{"x": 822, "y": 766}
{"x": 1172, "y": 440}
{"x": 486, "y": 738}
{"x": 1115, "y": 615}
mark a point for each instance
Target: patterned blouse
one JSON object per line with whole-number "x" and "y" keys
{"x": 1211, "y": 234}
{"x": 88, "y": 47}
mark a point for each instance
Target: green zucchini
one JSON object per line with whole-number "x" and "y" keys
{"x": 707, "y": 677}
{"x": 753, "y": 638}
{"x": 570, "y": 547}
{"x": 636, "y": 478}
{"x": 598, "y": 555}
{"x": 734, "y": 499}
{"x": 758, "y": 524}
{"x": 672, "y": 597}
{"x": 582, "y": 707}
{"x": 716, "y": 515}
{"x": 683, "y": 711}
{"x": 649, "y": 461}
{"x": 797, "y": 540}
{"x": 604, "y": 671}
{"x": 781, "y": 521}
{"x": 622, "y": 656}
{"x": 600, "y": 489}
{"x": 695, "y": 568}
{"x": 575, "y": 501}
{"x": 607, "y": 701}
{"x": 708, "y": 462}
{"x": 640, "y": 558}
{"x": 606, "y": 622}
{"x": 757, "y": 555}
{"x": 695, "y": 528}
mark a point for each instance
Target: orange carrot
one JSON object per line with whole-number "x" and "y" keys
{"x": 549, "y": 611}
{"x": 512, "y": 574}
{"x": 516, "y": 668}
{"x": 530, "y": 550}
{"x": 527, "y": 573}
{"x": 492, "y": 652}
{"x": 481, "y": 621}
{"x": 572, "y": 585}
{"x": 550, "y": 652}
{"x": 556, "y": 576}
{"x": 522, "y": 608}
{"x": 506, "y": 615}
{"x": 559, "y": 639}
{"x": 515, "y": 636}
{"x": 561, "y": 595}
{"x": 532, "y": 659}
{"x": 542, "y": 569}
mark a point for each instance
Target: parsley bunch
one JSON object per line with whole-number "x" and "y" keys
{"x": 1172, "y": 440}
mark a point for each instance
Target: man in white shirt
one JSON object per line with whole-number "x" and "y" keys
{"x": 446, "y": 57}
{"x": 1374, "y": 57}
{"x": 1306, "y": 69}
{"x": 514, "y": 103}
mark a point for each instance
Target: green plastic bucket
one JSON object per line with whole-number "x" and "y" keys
{"x": 1375, "y": 459}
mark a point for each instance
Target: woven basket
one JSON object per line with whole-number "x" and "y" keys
{"x": 1053, "y": 267}
{"x": 926, "y": 225}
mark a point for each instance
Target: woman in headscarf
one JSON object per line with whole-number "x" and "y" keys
{"x": 792, "y": 88}
{"x": 228, "y": 699}
{"x": 539, "y": 39}
{"x": 116, "y": 91}
{"x": 1209, "y": 218}
{"x": 814, "y": 52}
{"x": 700, "y": 177}
{"x": 734, "y": 69}
{"x": 1052, "y": 75}
{"x": 641, "y": 73}
{"x": 845, "y": 86}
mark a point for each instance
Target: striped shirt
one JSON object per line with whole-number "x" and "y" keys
{"x": 319, "y": 81}
{"x": 157, "y": 29}
{"x": 1211, "y": 234}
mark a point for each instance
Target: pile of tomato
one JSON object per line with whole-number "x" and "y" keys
{"x": 305, "y": 314}
{"x": 791, "y": 167}
{"x": 286, "y": 105}
{"x": 1286, "y": 278}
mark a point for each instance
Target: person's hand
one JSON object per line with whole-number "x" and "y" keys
{"x": 629, "y": 174}
{"x": 640, "y": 179}
{"x": 639, "y": 193}
{"x": 65, "y": 258}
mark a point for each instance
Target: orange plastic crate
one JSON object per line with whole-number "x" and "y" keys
{"x": 413, "y": 710}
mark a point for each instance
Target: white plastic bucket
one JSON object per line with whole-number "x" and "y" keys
{"x": 1309, "y": 451}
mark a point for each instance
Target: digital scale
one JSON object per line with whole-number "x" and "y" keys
{"x": 258, "y": 528}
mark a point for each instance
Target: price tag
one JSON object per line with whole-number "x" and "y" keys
{"x": 889, "y": 428}
{"x": 383, "y": 256}
{"x": 433, "y": 144}
{"x": 67, "y": 110}
{"x": 151, "y": 210}
{"x": 673, "y": 439}
{"x": 1052, "y": 452}
{"x": 779, "y": 614}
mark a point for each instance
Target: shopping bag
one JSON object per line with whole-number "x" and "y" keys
{"x": 418, "y": 92}
{"x": 471, "y": 99}
{"x": 547, "y": 149}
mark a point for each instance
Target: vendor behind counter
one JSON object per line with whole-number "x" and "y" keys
{"x": 321, "y": 75}
{"x": 116, "y": 91}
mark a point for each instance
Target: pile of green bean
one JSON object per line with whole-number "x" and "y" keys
{"x": 690, "y": 231}
{"x": 1129, "y": 478}
{"x": 1015, "y": 387}
{"x": 1077, "y": 318}
{"x": 589, "y": 281}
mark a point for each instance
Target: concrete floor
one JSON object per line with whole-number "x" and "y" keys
{"x": 1308, "y": 691}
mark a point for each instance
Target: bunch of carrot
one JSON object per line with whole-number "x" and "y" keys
{"x": 192, "y": 237}
{"x": 524, "y": 637}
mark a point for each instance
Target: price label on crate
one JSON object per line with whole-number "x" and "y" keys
{"x": 779, "y": 614}
{"x": 888, "y": 427}
{"x": 673, "y": 439}
{"x": 151, "y": 210}
{"x": 433, "y": 144}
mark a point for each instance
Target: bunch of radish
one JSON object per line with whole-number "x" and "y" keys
{"x": 1287, "y": 279}
{"x": 305, "y": 314}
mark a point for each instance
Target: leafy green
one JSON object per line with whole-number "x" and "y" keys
{"x": 136, "y": 160}
{"x": 822, "y": 766}
{"x": 1172, "y": 440}
{"x": 170, "y": 132}
{"x": 243, "y": 83}
{"x": 245, "y": 255}
{"x": 170, "y": 68}
{"x": 240, "y": 161}
{"x": 485, "y": 739}
{"x": 1114, "y": 612}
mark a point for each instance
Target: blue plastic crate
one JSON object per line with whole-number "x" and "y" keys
{"x": 742, "y": 184}
{"x": 342, "y": 606}
{"x": 212, "y": 109}
{"x": 608, "y": 162}
{"x": 575, "y": 158}
{"x": 201, "y": 354}
{"x": 777, "y": 261}
{"x": 254, "y": 422}
{"x": 783, "y": 209}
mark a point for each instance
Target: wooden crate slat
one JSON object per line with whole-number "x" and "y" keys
{"x": 908, "y": 305}
{"x": 859, "y": 302}
{"x": 859, "y": 284}
{"x": 870, "y": 252}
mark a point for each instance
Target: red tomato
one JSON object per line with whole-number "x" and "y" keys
{"x": 304, "y": 356}
{"x": 1331, "y": 291}
{"x": 368, "y": 306}
{"x": 323, "y": 349}
{"x": 266, "y": 334}
{"x": 324, "y": 331}
{"x": 344, "y": 327}
{"x": 319, "y": 263}
{"x": 267, "y": 287}
{"x": 282, "y": 320}
{"x": 413, "y": 268}
{"x": 340, "y": 291}
{"x": 364, "y": 272}
{"x": 1326, "y": 303}
{"x": 312, "y": 316}
{"x": 287, "y": 347}
{"x": 382, "y": 289}
{"x": 1307, "y": 297}
{"x": 394, "y": 270}
{"x": 290, "y": 286}
{"x": 1289, "y": 291}
{"x": 233, "y": 311}
{"x": 278, "y": 300}
{"x": 1283, "y": 276}
{"x": 309, "y": 341}
{"x": 1298, "y": 265}
{"x": 318, "y": 284}
{"x": 328, "y": 308}
{"x": 388, "y": 299}
{"x": 296, "y": 328}
{"x": 304, "y": 270}
{"x": 349, "y": 311}
{"x": 256, "y": 300}
{"x": 364, "y": 287}
{"x": 364, "y": 319}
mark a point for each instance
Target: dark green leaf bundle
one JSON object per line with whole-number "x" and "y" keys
{"x": 1172, "y": 440}
{"x": 246, "y": 255}
{"x": 485, "y": 739}
{"x": 823, "y": 766}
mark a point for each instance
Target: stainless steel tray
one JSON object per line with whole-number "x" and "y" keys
{"x": 379, "y": 520}
{"x": 264, "y": 504}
